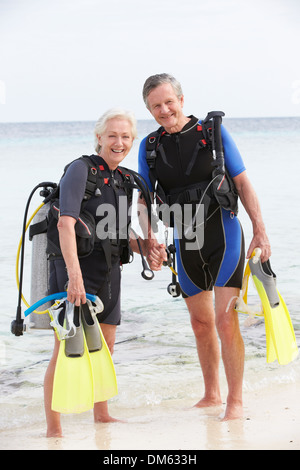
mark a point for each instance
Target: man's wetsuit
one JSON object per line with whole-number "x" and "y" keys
{"x": 220, "y": 262}
{"x": 93, "y": 267}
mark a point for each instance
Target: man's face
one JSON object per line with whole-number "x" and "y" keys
{"x": 166, "y": 107}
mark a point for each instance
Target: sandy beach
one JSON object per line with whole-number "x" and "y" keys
{"x": 271, "y": 422}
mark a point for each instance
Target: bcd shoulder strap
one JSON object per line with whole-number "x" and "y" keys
{"x": 94, "y": 181}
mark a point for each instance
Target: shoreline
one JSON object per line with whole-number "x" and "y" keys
{"x": 271, "y": 422}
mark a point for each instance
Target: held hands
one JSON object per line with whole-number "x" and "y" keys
{"x": 156, "y": 255}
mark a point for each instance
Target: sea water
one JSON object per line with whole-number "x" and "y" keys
{"x": 155, "y": 355}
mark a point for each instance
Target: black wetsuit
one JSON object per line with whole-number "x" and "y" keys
{"x": 220, "y": 261}
{"x": 94, "y": 267}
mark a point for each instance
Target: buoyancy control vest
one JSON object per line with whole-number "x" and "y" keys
{"x": 219, "y": 189}
{"x": 40, "y": 231}
{"x": 126, "y": 181}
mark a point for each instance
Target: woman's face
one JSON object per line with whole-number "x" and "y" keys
{"x": 116, "y": 141}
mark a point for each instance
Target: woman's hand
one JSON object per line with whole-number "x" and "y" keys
{"x": 76, "y": 291}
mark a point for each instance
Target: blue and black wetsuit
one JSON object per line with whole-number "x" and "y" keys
{"x": 220, "y": 261}
{"x": 94, "y": 267}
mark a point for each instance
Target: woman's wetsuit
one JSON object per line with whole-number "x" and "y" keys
{"x": 94, "y": 267}
{"x": 220, "y": 261}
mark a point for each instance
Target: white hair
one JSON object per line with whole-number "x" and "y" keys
{"x": 156, "y": 80}
{"x": 113, "y": 113}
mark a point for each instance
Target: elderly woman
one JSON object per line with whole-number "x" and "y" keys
{"x": 114, "y": 135}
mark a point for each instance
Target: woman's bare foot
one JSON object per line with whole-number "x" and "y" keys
{"x": 55, "y": 432}
{"x": 107, "y": 419}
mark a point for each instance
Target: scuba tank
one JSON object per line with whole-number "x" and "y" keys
{"x": 39, "y": 272}
{"x": 17, "y": 325}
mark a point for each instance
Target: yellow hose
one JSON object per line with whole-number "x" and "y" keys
{"x": 18, "y": 259}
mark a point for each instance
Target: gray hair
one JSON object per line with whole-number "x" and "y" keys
{"x": 113, "y": 113}
{"x": 157, "y": 80}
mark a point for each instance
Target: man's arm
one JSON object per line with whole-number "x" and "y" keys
{"x": 250, "y": 201}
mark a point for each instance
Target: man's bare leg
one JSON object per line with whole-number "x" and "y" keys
{"x": 233, "y": 351}
{"x": 203, "y": 323}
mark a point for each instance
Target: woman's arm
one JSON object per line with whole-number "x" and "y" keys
{"x": 67, "y": 239}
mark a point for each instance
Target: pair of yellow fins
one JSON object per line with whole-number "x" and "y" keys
{"x": 84, "y": 372}
{"x": 280, "y": 336}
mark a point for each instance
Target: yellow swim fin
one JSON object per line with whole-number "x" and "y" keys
{"x": 280, "y": 335}
{"x": 73, "y": 387}
{"x": 242, "y": 305}
{"x": 105, "y": 382}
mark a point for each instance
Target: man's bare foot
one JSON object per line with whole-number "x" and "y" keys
{"x": 207, "y": 402}
{"x": 233, "y": 411}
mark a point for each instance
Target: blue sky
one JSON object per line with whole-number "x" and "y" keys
{"x": 73, "y": 59}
